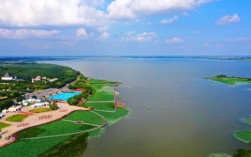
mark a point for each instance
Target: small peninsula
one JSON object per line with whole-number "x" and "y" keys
{"x": 231, "y": 80}
{"x": 51, "y": 110}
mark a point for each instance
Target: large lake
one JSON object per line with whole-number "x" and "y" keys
{"x": 189, "y": 116}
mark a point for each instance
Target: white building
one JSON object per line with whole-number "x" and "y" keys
{"x": 14, "y": 108}
{"x": 1, "y": 115}
{"x": 8, "y": 77}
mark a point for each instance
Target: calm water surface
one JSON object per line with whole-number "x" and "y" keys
{"x": 190, "y": 116}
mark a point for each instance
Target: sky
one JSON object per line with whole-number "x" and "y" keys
{"x": 124, "y": 27}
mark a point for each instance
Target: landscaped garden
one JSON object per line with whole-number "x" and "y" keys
{"x": 3, "y": 125}
{"x": 16, "y": 118}
{"x": 40, "y": 110}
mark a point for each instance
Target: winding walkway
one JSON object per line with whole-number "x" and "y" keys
{"x": 74, "y": 133}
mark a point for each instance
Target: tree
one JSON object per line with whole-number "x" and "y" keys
{"x": 73, "y": 101}
{"x": 53, "y": 106}
{"x": 20, "y": 98}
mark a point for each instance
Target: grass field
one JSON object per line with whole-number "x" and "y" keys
{"x": 243, "y": 135}
{"x": 101, "y": 82}
{"x": 101, "y": 106}
{"x": 102, "y": 96}
{"x": 40, "y": 110}
{"x": 16, "y": 118}
{"x": 115, "y": 116}
{"x": 3, "y": 125}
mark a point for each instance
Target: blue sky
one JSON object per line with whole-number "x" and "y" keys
{"x": 125, "y": 27}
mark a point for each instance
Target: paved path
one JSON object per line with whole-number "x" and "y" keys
{"x": 36, "y": 120}
{"x": 97, "y": 102}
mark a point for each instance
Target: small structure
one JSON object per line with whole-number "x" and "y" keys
{"x": 79, "y": 89}
{"x": 1, "y": 115}
{"x": 53, "y": 80}
{"x": 40, "y": 104}
{"x": 117, "y": 102}
{"x": 38, "y": 79}
{"x": 14, "y": 108}
{"x": 8, "y": 77}
{"x": 5, "y": 111}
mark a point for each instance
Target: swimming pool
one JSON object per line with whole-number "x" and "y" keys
{"x": 64, "y": 96}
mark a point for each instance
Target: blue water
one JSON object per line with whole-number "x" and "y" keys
{"x": 64, "y": 96}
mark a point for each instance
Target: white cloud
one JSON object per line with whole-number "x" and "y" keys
{"x": 238, "y": 39}
{"x": 51, "y": 12}
{"x": 81, "y": 32}
{"x": 170, "y": 20}
{"x": 104, "y": 36}
{"x": 144, "y": 37}
{"x": 134, "y": 8}
{"x": 228, "y": 19}
{"x": 174, "y": 40}
{"x": 27, "y": 33}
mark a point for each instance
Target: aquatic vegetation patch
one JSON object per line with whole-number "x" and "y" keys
{"x": 219, "y": 155}
{"x": 73, "y": 147}
{"x": 16, "y": 118}
{"x": 31, "y": 148}
{"x": 243, "y": 135}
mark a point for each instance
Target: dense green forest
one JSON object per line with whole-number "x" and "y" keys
{"x": 25, "y": 72}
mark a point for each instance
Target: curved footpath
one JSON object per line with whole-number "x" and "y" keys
{"x": 36, "y": 120}
{"x": 74, "y": 133}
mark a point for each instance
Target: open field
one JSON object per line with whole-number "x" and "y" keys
{"x": 16, "y": 118}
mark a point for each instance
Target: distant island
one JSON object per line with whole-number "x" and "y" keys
{"x": 51, "y": 110}
{"x": 231, "y": 80}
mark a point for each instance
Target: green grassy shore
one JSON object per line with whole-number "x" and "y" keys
{"x": 230, "y": 80}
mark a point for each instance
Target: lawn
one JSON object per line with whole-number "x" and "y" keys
{"x": 85, "y": 116}
{"x": 243, "y": 135}
{"x": 3, "y": 125}
{"x": 101, "y": 106}
{"x": 102, "y": 96}
{"x": 40, "y": 110}
{"x": 16, "y": 118}
{"x": 114, "y": 117}
{"x": 36, "y": 147}
{"x": 101, "y": 82}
